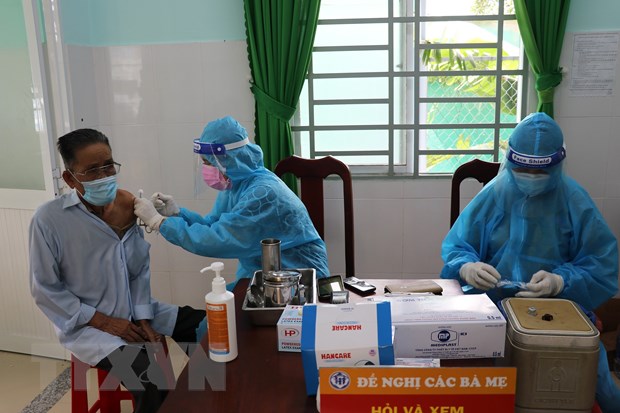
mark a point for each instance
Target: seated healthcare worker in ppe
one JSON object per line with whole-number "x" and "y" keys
{"x": 253, "y": 204}
{"x": 536, "y": 226}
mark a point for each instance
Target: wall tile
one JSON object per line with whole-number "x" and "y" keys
{"x": 180, "y": 80}
{"x": 611, "y": 210}
{"x": 381, "y": 276}
{"x": 469, "y": 188}
{"x": 613, "y": 166}
{"x": 189, "y": 288}
{"x": 587, "y": 141}
{"x": 160, "y": 286}
{"x": 426, "y": 188}
{"x": 425, "y": 224}
{"x": 179, "y": 163}
{"x": 135, "y": 147}
{"x": 333, "y": 188}
{"x": 101, "y": 74}
{"x": 377, "y": 189}
{"x": 420, "y": 276}
{"x": 185, "y": 261}
{"x": 160, "y": 261}
{"x": 227, "y": 82}
{"x": 133, "y": 86}
{"x": 334, "y": 235}
{"x": 379, "y": 236}
{"x": 84, "y": 90}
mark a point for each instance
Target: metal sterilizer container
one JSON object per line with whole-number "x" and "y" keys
{"x": 555, "y": 348}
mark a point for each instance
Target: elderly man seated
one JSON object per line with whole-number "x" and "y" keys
{"x": 90, "y": 273}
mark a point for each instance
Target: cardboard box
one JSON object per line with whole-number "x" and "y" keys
{"x": 447, "y": 327}
{"x": 289, "y": 329}
{"x": 345, "y": 335}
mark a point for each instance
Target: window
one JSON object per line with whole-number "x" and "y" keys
{"x": 26, "y": 169}
{"x": 412, "y": 87}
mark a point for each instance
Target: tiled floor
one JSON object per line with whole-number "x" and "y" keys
{"x": 23, "y": 377}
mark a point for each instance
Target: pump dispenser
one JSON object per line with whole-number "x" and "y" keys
{"x": 222, "y": 328}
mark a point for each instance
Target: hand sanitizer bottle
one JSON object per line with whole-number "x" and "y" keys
{"x": 222, "y": 328}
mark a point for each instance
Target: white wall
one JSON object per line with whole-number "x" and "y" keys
{"x": 591, "y": 127}
{"x": 152, "y": 100}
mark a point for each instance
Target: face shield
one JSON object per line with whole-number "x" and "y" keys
{"x": 213, "y": 155}
{"x": 521, "y": 160}
{"x": 534, "y": 174}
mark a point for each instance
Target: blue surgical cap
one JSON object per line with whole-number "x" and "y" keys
{"x": 224, "y": 130}
{"x": 537, "y": 134}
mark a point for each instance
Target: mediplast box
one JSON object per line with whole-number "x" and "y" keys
{"x": 357, "y": 334}
{"x": 447, "y": 327}
{"x": 289, "y": 329}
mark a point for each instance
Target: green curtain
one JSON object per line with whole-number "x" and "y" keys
{"x": 280, "y": 36}
{"x": 542, "y": 24}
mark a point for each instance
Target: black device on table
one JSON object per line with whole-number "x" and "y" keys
{"x": 327, "y": 285}
{"x": 359, "y": 287}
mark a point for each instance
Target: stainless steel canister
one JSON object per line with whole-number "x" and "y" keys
{"x": 270, "y": 255}
{"x": 281, "y": 287}
{"x": 554, "y": 347}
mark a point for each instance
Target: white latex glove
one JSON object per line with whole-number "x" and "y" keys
{"x": 145, "y": 210}
{"x": 164, "y": 204}
{"x": 480, "y": 275}
{"x": 543, "y": 284}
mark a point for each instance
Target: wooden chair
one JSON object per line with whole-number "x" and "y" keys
{"x": 109, "y": 400}
{"x": 482, "y": 171}
{"x": 311, "y": 173}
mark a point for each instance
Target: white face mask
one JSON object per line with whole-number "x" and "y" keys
{"x": 531, "y": 184}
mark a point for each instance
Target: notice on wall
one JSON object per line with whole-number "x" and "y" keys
{"x": 594, "y": 64}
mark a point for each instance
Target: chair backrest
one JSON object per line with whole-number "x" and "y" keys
{"x": 482, "y": 171}
{"x": 311, "y": 173}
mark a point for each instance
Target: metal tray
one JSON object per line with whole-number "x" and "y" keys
{"x": 269, "y": 316}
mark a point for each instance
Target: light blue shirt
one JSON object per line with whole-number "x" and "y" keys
{"x": 79, "y": 265}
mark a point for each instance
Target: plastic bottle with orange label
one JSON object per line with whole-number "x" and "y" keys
{"x": 222, "y": 328}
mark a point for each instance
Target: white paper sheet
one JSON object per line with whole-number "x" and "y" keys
{"x": 594, "y": 64}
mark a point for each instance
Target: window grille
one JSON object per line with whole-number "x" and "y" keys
{"x": 412, "y": 88}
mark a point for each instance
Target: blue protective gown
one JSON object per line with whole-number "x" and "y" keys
{"x": 258, "y": 206}
{"x": 560, "y": 231}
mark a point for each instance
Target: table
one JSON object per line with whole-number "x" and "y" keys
{"x": 260, "y": 379}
